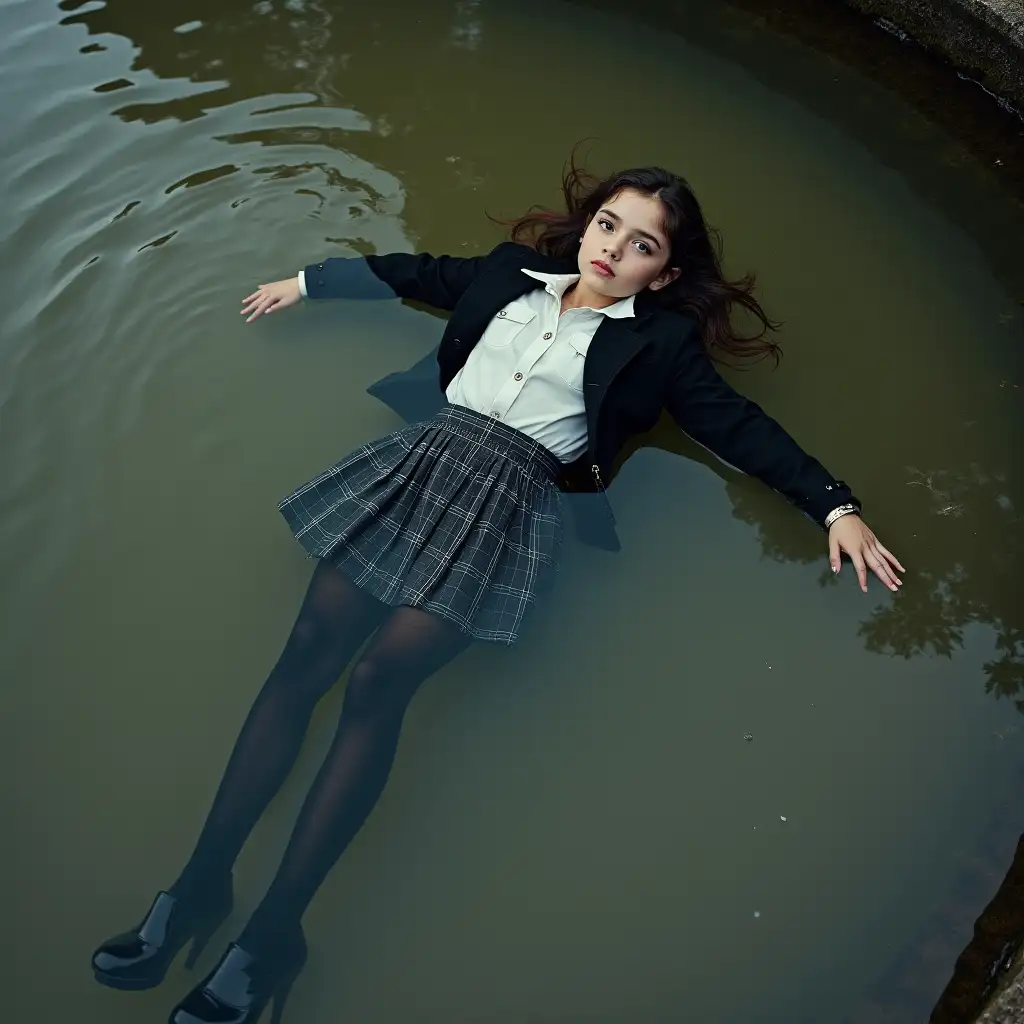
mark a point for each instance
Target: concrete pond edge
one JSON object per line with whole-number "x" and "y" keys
{"x": 982, "y": 39}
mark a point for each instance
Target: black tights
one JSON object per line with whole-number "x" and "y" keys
{"x": 335, "y": 619}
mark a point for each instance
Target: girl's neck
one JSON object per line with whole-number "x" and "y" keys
{"x": 580, "y": 295}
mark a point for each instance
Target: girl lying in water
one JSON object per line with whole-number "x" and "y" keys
{"x": 449, "y": 530}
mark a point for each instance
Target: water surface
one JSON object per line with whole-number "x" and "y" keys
{"x": 575, "y": 830}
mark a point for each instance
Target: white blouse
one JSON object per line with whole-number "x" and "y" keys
{"x": 527, "y": 368}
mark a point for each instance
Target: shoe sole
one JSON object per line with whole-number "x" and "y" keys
{"x": 126, "y": 984}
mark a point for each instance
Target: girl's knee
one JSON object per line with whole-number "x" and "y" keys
{"x": 375, "y": 690}
{"x": 312, "y": 660}
{"x": 313, "y": 640}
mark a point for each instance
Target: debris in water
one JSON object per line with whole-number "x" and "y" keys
{"x": 782, "y": 817}
{"x": 757, "y": 913}
{"x": 748, "y": 736}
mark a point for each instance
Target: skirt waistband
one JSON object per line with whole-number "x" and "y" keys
{"x": 500, "y": 438}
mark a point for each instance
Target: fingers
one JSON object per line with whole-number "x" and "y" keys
{"x": 871, "y": 556}
{"x": 890, "y": 556}
{"x": 269, "y": 298}
{"x": 880, "y": 568}
{"x": 253, "y": 302}
{"x": 259, "y": 309}
{"x": 862, "y": 573}
{"x": 260, "y": 302}
{"x": 865, "y": 551}
{"x": 266, "y": 306}
{"x": 887, "y": 561}
{"x": 881, "y": 561}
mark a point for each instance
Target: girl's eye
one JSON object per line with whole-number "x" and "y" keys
{"x": 643, "y": 247}
{"x": 605, "y": 224}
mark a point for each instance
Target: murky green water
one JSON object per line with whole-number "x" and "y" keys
{"x": 576, "y": 830}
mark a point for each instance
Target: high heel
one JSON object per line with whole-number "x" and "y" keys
{"x": 201, "y": 941}
{"x": 281, "y": 996}
{"x": 139, "y": 959}
{"x": 241, "y": 986}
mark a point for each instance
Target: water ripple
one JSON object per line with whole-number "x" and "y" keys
{"x": 128, "y": 217}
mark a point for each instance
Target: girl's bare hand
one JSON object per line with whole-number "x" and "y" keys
{"x": 269, "y": 298}
{"x": 851, "y": 534}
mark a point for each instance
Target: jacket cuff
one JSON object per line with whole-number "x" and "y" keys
{"x": 834, "y": 494}
{"x": 311, "y": 282}
{"x": 344, "y": 277}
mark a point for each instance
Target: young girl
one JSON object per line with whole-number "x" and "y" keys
{"x": 448, "y": 530}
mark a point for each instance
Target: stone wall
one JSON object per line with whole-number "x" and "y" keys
{"x": 1008, "y": 1007}
{"x": 984, "y": 39}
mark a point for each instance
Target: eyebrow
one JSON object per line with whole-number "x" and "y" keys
{"x": 614, "y": 216}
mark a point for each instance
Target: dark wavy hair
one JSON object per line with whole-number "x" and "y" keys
{"x": 701, "y": 290}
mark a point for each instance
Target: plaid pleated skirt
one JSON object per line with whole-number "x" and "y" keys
{"x": 460, "y": 515}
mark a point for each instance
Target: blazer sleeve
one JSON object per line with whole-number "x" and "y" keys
{"x": 738, "y": 431}
{"x": 438, "y": 281}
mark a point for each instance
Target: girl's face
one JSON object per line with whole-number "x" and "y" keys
{"x": 625, "y": 249}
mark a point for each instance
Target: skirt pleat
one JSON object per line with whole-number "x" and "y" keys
{"x": 459, "y": 515}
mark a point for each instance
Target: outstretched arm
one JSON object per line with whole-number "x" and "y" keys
{"x": 438, "y": 281}
{"x": 738, "y": 431}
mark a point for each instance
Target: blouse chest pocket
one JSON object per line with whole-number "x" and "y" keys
{"x": 570, "y": 356}
{"x": 506, "y": 325}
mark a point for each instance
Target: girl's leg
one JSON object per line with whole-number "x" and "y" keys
{"x": 408, "y": 647}
{"x": 335, "y": 618}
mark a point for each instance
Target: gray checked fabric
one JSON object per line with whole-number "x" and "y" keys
{"x": 459, "y": 515}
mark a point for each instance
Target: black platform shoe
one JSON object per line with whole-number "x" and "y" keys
{"x": 139, "y": 959}
{"x": 239, "y": 988}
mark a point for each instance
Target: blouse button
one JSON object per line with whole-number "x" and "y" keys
{"x": 519, "y": 376}
{"x": 502, "y": 313}
{"x": 547, "y": 337}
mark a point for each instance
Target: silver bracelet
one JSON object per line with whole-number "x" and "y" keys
{"x": 838, "y": 513}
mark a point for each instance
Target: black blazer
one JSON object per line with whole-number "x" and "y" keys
{"x": 634, "y": 368}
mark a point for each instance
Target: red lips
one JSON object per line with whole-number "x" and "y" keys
{"x": 603, "y": 267}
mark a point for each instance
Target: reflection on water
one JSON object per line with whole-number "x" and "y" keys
{"x": 596, "y": 855}
{"x": 963, "y": 580}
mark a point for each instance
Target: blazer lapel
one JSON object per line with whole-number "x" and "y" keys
{"x": 493, "y": 291}
{"x": 614, "y": 344}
